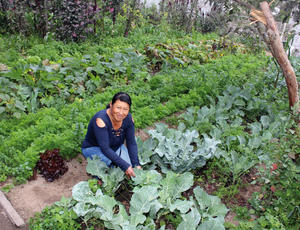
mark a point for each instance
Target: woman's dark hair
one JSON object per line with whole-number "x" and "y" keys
{"x": 122, "y": 97}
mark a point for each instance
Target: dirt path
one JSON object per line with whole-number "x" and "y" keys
{"x": 35, "y": 195}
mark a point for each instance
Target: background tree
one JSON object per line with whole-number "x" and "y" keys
{"x": 268, "y": 30}
{"x": 132, "y": 7}
{"x": 273, "y": 41}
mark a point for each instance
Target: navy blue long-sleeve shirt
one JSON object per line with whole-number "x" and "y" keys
{"x": 109, "y": 140}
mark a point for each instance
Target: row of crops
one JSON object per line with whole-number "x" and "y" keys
{"x": 232, "y": 120}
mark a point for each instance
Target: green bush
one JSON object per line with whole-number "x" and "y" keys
{"x": 59, "y": 216}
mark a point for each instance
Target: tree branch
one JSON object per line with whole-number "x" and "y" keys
{"x": 245, "y": 4}
{"x": 281, "y": 56}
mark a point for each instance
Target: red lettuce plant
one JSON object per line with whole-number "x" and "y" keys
{"x": 51, "y": 165}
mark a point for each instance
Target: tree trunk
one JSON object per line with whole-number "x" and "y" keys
{"x": 46, "y": 12}
{"x": 130, "y": 17}
{"x": 281, "y": 56}
{"x": 94, "y": 21}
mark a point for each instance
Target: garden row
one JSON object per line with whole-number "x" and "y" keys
{"x": 36, "y": 80}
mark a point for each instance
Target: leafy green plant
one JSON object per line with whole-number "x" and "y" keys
{"x": 7, "y": 188}
{"x": 111, "y": 177}
{"x": 280, "y": 178}
{"x": 181, "y": 149}
{"x": 228, "y": 120}
{"x": 58, "y": 216}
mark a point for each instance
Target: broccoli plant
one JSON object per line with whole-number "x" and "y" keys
{"x": 181, "y": 150}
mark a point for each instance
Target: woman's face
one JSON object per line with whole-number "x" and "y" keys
{"x": 119, "y": 110}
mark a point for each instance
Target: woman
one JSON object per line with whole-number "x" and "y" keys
{"x": 106, "y": 133}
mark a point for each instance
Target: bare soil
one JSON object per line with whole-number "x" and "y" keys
{"x": 35, "y": 195}
{"x": 6, "y": 224}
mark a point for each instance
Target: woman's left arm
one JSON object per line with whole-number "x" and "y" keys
{"x": 131, "y": 142}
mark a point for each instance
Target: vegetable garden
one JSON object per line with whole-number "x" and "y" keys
{"x": 214, "y": 111}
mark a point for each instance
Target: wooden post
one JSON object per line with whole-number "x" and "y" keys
{"x": 281, "y": 57}
{"x": 10, "y": 211}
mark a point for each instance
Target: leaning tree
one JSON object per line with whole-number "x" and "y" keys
{"x": 262, "y": 17}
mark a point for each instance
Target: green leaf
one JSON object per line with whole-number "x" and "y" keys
{"x": 190, "y": 220}
{"x": 145, "y": 150}
{"x": 155, "y": 207}
{"x": 265, "y": 120}
{"x": 95, "y": 166}
{"x": 82, "y": 192}
{"x": 239, "y": 102}
{"x": 137, "y": 219}
{"x": 107, "y": 203}
{"x": 82, "y": 209}
{"x": 212, "y": 224}
{"x": 182, "y": 205}
{"x": 210, "y": 206}
{"x": 173, "y": 185}
{"x": 255, "y": 128}
{"x": 146, "y": 177}
{"x": 4, "y": 97}
{"x": 111, "y": 177}
{"x": 119, "y": 220}
{"x": 254, "y": 142}
{"x": 20, "y": 105}
{"x": 141, "y": 200}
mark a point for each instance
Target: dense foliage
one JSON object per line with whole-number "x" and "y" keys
{"x": 68, "y": 20}
{"x": 226, "y": 124}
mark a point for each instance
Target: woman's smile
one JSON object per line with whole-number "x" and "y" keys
{"x": 119, "y": 110}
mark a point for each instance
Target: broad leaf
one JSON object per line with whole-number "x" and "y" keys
{"x": 265, "y": 121}
{"x": 141, "y": 200}
{"x": 173, "y": 185}
{"x": 182, "y": 205}
{"x": 146, "y": 177}
{"x": 210, "y": 206}
{"x": 82, "y": 209}
{"x": 137, "y": 219}
{"x": 212, "y": 224}
{"x": 111, "y": 177}
{"x": 81, "y": 192}
{"x": 190, "y": 220}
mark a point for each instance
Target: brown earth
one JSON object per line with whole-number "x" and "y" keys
{"x": 6, "y": 224}
{"x": 35, "y": 195}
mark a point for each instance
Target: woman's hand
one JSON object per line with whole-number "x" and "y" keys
{"x": 138, "y": 167}
{"x": 129, "y": 172}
